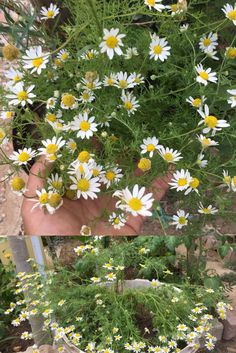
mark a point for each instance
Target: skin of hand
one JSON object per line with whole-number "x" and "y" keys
{"x": 73, "y": 214}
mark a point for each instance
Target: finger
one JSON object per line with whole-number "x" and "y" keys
{"x": 160, "y": 185}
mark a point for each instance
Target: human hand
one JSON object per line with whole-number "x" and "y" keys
{"x": 73, "y": 214}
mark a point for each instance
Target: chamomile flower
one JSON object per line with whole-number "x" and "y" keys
{"x": 207, "y": 210}
{"x": 13, "y": 75}
{"x": 210, "y": 345}
{"x": 193, "y": 186}
{"x": 137, "y": 78}
{"x": 117, "y": 220}
{"x": 212, "y": 54}
{"x": 7, "y": 115}
{"x": 211, "y": 121}
{"x": 174, "y": 9}
{"x": 230, "y": 12}
{"x": 18, "y": 185}
{"x": 86, "y": 96}
{"x": 96, "y": 169}
{"x": 135, "y": 202}
{"x": 49, "y": 13}
{"x": 51, "y": 103}
{"x": 159, "y": 49}
{"x": 130, "y": 103}
{"x": 55, "y": 182}
{"x": 22, "y": 157}
{"x": 3, "y": 137}
{"x": 181, "y": 180}
{"x": 208, "y": 43}
{"x": 205, "y": 76}
{"x": 110, "y": 277}
{"x": 53, "y": 117}
{"x": 130, "y": 52}
{"x": 154, "y": 4}
{"x": 63, "y": 55}
{"x": 233, "y": 183}
{"x": 84, "y": 125}
{"x": 230, "y": 53}
{"x": 123, "y": 81}
{"x": 55, "y": 201}
{"x": 110, "y": 80}
{"x": 169, "y": 155}
{"x": 72, "y": 145}
{"x": 149, "y": 145}
{"x": 51, "y": 148}
{"x": 206, "y": 141}
{"x": 232, "y": 99}
{"x": 89, "y": 54}
{"x": 105, "y": 121}
{"x": 85, "y": 184}
{"x": 201, "y": 162}
{"x": 181, "y": 219}
{"x": 112, "y": 175}
{"x": 184, "y": 27}
{"x": 21, "y": 95}
{"x": 226, "y": 178}
{"x": 69, "y": 101}
{"x": 196, "y": 102}
{"x": 42, "y": 199}
{"x": 91, "y": 84}
{"x": 35, "y": 59}
{"x": 112, "y": 41}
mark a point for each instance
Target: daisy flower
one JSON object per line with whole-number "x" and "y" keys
{"x": 42, "y": 199}
{"x": 117, "y": 220}
{"x": 51, "y": 103}
{"x": 111, "y": 277}
{"x": 205, "y": 76}
{"x": 13, "y": 75}
{"x": 211, "y": 55}
{"x": 112, "y": 175}
{"x": 22, "y": 157}
{"x": 154, "y": 4}
{"x": 84, "y": 125}
{"x": 169, "y": 155}
{"x": 91, "y": 84}
{"x": 21, "y": 95}
{"x": 112, "y": 41}
{"x": 193, "y": 185}
{"x": 72, "y": 145}
{"x": 124, "y": 81}
{"x": 68, "y": 101}
{"x": 51, "y": 148}
{"x": 211, "y": 122}
{"x": 63, "y": 55}
{"x": 206, "y": 141}
{"x": 230, "y": 52}
{"x": 208, "y": 42}
{"x": 159, "y": 49}
{"x": 135, "y": 202}
{"x": 130, "y": 52}
{"x": 181, "y": 180}
{"x": 3, "y": 137}
{"x": 35, "y": 59}
{"x": 55, "y": 201}
{"x": 230, "y": 12}
{"x": 55, "y": 182}
{"x": 227, "y": 178}
{"x": 174, "y": 8}
{"x": 18, "y": 185}
{"x": 105, "y": 121}
{"x": 149, "y": 145}
{"x": 5, "y": 115}
{"x": 110, "y": 80}
{"x": 49, "y": 13}
{"x": 85, "y": 184}
{"x": 232, "y": 99}
{"x": 207, "y": 210}
{"x": 201, "y": 161}
{"x": 89, "y": 54}
{"x": 181, "y": 219}
{"x": 196, "y": 102}
{"x": 130, "y": 103}
{"x": 86, "y": 97}
{"x": 137, "y": 78}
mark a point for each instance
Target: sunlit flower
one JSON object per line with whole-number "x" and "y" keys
{"x": 35, "y": 59}
{"x": 111, "y": 176}
{"x": 230, "y": 52}
{"x": 22, "y": 157}
{"x": 124, "y": 81}
{"x": 193, "y": 185}
{"x": 111, "y": 276}
{"x": 130, "y": 103}
{"x": 89, "y": 54}
{"x": 18, "y": 185}
{"x": 181, "y": 219}
{"x": 112, "y": 41}
{"x": 149, "y": 145}
{"x": 91, "y": 84}
{"x": 196, "y": 102}
{"x": 207, "y": 210}
{"x": 232, "y": 99}
{"x": 169, "y": 155}
{"x": 181, "y": 180}
{"x": 211, "y": 122}
{"x": 21, "y": 95}
{"x": 86, "y": 96}
{"x": 230, "y": 12}
{"x": 85, "y": 184}
{"x": 208, "y": 43}
{"x": 51, "y": 148}
{"x": 55, "y": 182}
{"x": 206, "y": 141}
{"x": 205, "y": 76}
{"x": 130, "y": 52}
{"x": 5, "y": 115}
{"x": 13, "y": 75}
{"x": 201, "y": 161}
{"x": 117, "y": 220}
{"x": 110, "y": 80}
{"x": 154, "y": 4}
{"x": 159, "y": 49}
{"x": 63, "y": 55}
{"x": 84, "y": 126}
{"x": 48, "y": 13}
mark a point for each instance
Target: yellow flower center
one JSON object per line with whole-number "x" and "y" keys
{"x": 23, "y": 157}
{"x": 51, "y": 117}
{"x": 182, "y": 182}
{"x": 205, "y": 142}
{"x": 206, "y": 210}
{"x": 123, "y": 84}
{"x": 128, "y": 105}
{"x": 110, "y": 175}
{"x": 197, "y": 102}
{"x": 116, "y": 220}
{"x": 90, "y": 55}
{"x": 17, "y": 78}
{"x": 231, "y": 53}
{"x": 227, "y": 179}
{"x": 232, "y": 15}
{"x": 135, "y": 204}
{"x": 137, "y": 80}
{"x": 43, "y": 198}
{"x": 50, "y": 14}
{"x": 9, "y": 115}
{"x": 83, "y": 184}
{"x": 22, "y": 96}
{"x": 211, "y": 121}
{"x": 57, "y": 184}
{"x": 168, "y": 157}
{"x": 151, "y": 2}
{"x": 64, "y": 56}
{"x": 174, "y": 7}
{"x": 17, "y": 183}
{"x": 144, "y": 164}
{"x": 111, "y": 42}
{"x": 157, "y": 49}
{"x": 2, "y": 134}
{"x": 37, "y": 62}
{"x": 150, "y": 147}
{"x": 182, "y": 220}
{"x": 95, "y": 172}
{"x": 68, "y": 100}
{"x": 234, "y": 180}
{"x": 86, "y": 96}
{"x": 84, "y": 125}
{"x": 72, "y": 145}
{"x": 54, "y": 199}
{"x": 204, "y": 75}
{"x": 58, "y": 62}
{"x": 52, "y": 157}
{"x": 194, "y": 183}
{"x": 90, "y": 85}
{"x": 110, "y": 81}
{"x": 84, "y": 156}
{"x": 206, "y": 42}
{"x": 51, "y": 148}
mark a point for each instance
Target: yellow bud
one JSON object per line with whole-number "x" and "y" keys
{"x": 17, "y": 183}
{"x": 70, "y": 194}
{"x": 144, "y": 164}
{"x": 10, "y": 52}
{"x": 54, "y": 199}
